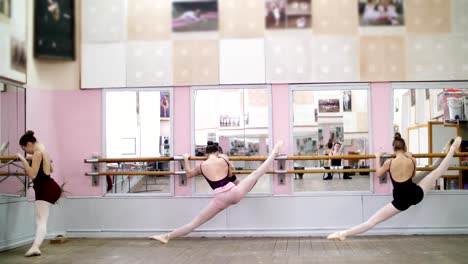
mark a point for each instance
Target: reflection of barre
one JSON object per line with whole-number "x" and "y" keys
{"x": 12, "y": 174}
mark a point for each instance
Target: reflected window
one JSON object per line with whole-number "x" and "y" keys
{"x": 238, "y": 120}
{"x": 138, "y": 124}
{"x": 428, "y": 116}
{"x": 13, "y": 181}
{"x": 332, "y": 121}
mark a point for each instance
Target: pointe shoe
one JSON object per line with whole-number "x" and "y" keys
{"x": 278, "y": 147}
{"x": 33, "y": 252}
{"x": 448, "y": 145}
{"x": 337, "y": 236}
{"x": 456, "y": 144}
{"x": 164, "y": 239}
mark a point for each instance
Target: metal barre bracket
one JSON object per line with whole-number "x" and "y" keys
{"x": 181, "y": 174}
{"x": 281, "y": 172}
{"x": 95, "y": 169}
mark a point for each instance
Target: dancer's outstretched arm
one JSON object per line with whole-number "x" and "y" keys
{"x": 188, "y": 171}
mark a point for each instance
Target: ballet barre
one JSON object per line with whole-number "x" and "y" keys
{"x": 170, "y": 173}
{"x": 263, "y": 158}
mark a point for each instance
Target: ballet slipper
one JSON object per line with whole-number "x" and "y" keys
{"x": 33, "y": 252}
{"x": 337, "y": 236}
{"x": 277, "y": 147}
{"x": 164, "y": 239}
{"x": 456, "y": 144}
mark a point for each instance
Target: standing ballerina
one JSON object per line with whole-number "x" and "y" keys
{"x": 217, "y": 172}
{"x": 46, "y": 189}
{"x": 405, "y": 191}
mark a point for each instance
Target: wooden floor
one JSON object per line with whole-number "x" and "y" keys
{"x": 371, "y": 249}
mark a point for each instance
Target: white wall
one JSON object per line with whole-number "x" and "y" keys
{"x": 262, "y": 216}
{"x": 17, "y": 225}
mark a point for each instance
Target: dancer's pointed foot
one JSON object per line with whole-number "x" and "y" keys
{"x": 277, "y": 148}
{"x": 456, "y": 144}
{"x": 337, "y": 236}
{"x": 32, "y": 252}
{"x": 164, "y": 239}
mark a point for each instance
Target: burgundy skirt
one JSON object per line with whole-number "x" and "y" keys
{"x": 48, "y": 191}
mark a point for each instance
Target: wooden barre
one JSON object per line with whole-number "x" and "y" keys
{"x": 263, "y": 158}
{"x": 168, "y": 173}
{"x": 8, "y": 158}
{"x": 12, "y": 174}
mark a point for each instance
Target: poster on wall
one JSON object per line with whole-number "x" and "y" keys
{"x": 347, "y": 107}
{"x": 54, "y": 29}
{"x": 329, "y": 105}
{"x": 5, "y": 10}
{"x": 306, "y": 146}
{"x": 13, "y": 60}
{"x": 381, "y": 13}
{"x": 281, "y": 14}
{"x": 164, "y": 106}
{"x": 192, "y": 16}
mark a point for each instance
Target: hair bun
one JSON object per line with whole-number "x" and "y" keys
{"x": 397, "y": 135}
{"x": 30, "y": 133}
{"x": 209, "y": 143}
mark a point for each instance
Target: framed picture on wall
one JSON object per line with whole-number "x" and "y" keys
{"x": 5, "y": 10}
{"x": 54, "y": 29}
{"x": 164, "y": 106}
{"x": 193, "y": 15}
{"x": 347, "y": 101}
{"x": 381, "y": 13}
{"x": 280, "y": 14}
{"x": 329, "y": 105}
{"x": 436, "y": 107}
{"x": 413, "y": 97}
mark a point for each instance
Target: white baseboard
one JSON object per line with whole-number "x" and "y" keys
{"x": 266, "y": 233}
{"x": 25, "y": 240}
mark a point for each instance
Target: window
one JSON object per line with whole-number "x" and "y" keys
{"x": 238, "y": 119}
{"x": 324, "y": 115}
{"x": 137, "y": 124}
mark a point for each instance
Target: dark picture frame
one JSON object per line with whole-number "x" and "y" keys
{"x": 193, "y": 16}
{"x": 164, "y": 106}
{"x": 283, "y": 14}
{"x": 347, "y": 101}
{"x": 329, "y": 105}
{"x": 54, "y": 29}
{"x": 381, "y": 12}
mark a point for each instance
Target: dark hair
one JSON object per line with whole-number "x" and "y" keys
{"x": 398, "y": 143}
{"x": 211, "y": 147}
{"x": 28, "y": 137}
{"x": 330, "y": 144}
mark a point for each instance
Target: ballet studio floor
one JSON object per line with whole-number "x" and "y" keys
{"x": 362, "y": 249}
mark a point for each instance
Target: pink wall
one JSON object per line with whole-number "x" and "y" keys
{"x": 381, "y": 126}
{"x": 281, "y": 129}
{"x": 182, "y": 133}
{"x": 69, "y": 123}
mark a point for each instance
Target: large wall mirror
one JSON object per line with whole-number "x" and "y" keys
{"x": 13, "y": 181}
{"x": 238, "y": 118}
{"x": 428, "y": 115}
{"x": 138, "y": 124}
{"x": 330, "y": 119}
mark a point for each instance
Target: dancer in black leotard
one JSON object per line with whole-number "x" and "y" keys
{"x": 46, "y": 189}
{"x": 405, "y": 191}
